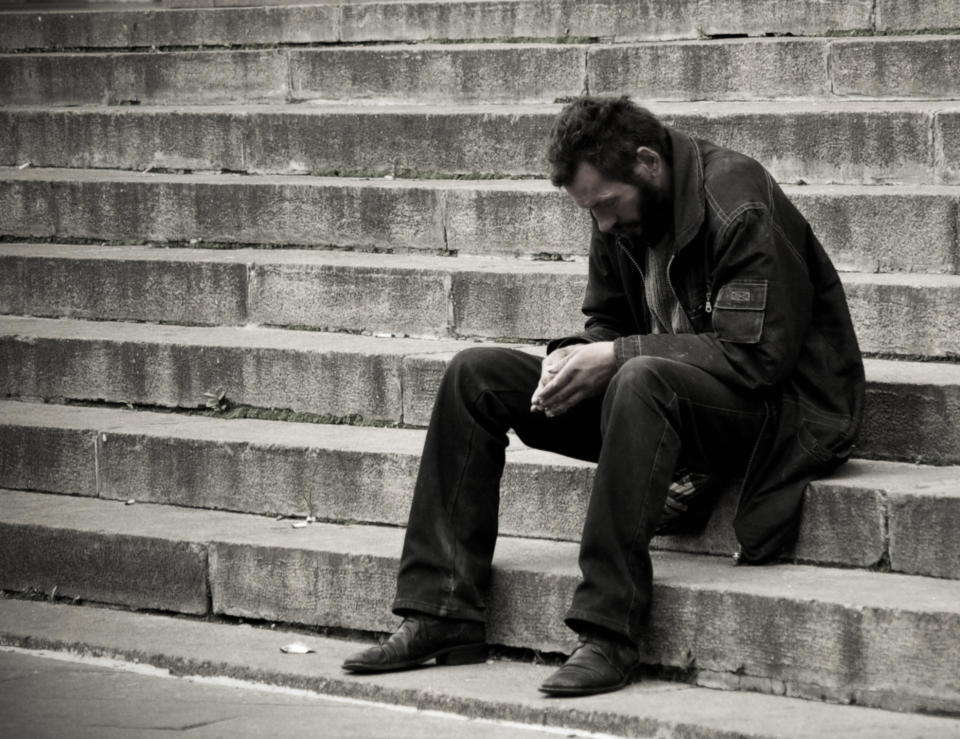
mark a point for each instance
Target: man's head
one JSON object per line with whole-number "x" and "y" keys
{"x": 613, "y": 157}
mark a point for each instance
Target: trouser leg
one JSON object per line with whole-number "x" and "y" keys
{"x": 656, "y": 413}
{"x": 452, "y": 529}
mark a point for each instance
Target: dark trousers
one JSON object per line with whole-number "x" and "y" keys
{"x": 655, "y": 414}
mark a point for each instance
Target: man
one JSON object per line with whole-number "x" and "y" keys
{"x": 718, "y": 345}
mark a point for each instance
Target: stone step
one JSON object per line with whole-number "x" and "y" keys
{"x": 727, "y": 69}
{"x": 910, "y": 412}
{"x": 868, "y": 514}
{"x": 877, "y": 639}
{"x": 864, "y": 228}
{"x": 38, "y": 27}
{"x": 500, "y": 690}
{"x": 809, "y": 141}
{"x": 405, "y": 295}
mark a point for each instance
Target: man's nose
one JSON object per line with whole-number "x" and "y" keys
{"x": 605, "y": 222}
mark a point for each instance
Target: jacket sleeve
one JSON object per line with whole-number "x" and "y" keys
{"x": 604, "y": 303}
{"x": 761, "y": 310}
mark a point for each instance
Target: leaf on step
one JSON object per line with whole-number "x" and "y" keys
{"x": 296, "y": 648}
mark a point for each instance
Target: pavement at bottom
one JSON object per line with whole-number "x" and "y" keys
{"x": 52, "y": 695}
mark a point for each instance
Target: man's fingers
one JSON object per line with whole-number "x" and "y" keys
{"x": 555, "y": 391}
{"x": 563, "y": 399}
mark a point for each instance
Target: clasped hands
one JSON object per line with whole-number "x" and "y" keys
{"x": 571, "y": 374}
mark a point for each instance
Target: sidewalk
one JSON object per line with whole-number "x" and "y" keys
{"x": 47, "y": 694}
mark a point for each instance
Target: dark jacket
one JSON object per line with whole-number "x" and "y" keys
{"x": 769, "y": 316}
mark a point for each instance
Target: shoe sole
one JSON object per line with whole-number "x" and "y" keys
{"x": 564, "y": 692}
{"x": 465, "y": 654}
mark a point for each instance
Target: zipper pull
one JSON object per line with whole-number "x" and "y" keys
{"x": 708, "y": 307}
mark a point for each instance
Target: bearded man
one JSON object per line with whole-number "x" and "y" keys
{"x": 718, "y": 346}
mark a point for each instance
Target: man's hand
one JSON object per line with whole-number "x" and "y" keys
{"x": 572, "y": 374}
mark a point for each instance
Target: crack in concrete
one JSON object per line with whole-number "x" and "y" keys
{"x": 183, "y": 727}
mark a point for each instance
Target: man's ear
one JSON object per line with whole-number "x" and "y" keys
{"x": 648, "y": 164}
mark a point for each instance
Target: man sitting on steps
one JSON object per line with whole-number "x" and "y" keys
{"x": 718, "y": 345}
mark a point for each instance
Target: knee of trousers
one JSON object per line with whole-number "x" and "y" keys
{"x": 647, "y": 380}
{"x": 476, "y": 366}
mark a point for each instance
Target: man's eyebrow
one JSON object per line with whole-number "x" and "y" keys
{"x": 604, "y": 201}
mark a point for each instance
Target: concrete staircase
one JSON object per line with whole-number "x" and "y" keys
{"x": 241, "y": 243}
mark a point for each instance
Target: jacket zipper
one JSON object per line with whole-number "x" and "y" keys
{"x": 633, "y": 261}
{"x": 708, "y": 308}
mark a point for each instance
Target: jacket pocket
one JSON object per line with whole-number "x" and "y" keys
{"x": 738, "y": 312}
{"x": 812, "y": 445}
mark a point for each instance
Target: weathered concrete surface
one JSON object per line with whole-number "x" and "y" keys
{"x": 862, "y": 227}
{"x": 76, "y": 548}
{"x": 902, "y": 15}
{"x": 519, "y": 303}
{"x": 50, "y": 695}
{"x": 419, "y": 21}
{"x": 909, "y": 413}
{"x": 874, "y": 638}
{"x": 415, "y": 295}
{"x": 820, "y": 142}
{"x": 347, "y": 473}
{"x": 135, "y": 78}
{"x": 888, "y": 229}
{"x": 123, "y": 284}
{"x": 339, "y": 473}
{"x": 404, "y": 301}
{"x": 711, "y": 70}
{"x": 334, "y": 374}
{"x": 154, "y": 27}
{"x": 817, "y": 142}
{"x": 518, "y": 217}
{"x": 499, "y": 690}
{"x": 897, "y": 68}
{"x": 947, "y": 146}
{"x": 865, "y": 229}
{"x": 56, "y": 460}
{"x": 463, "y": 73}
{"x": 229, "y": 209}
{"x": 923, "y": 529}
{"x": 375, "y": 293}
{"x": 931, "y": 392}
{"x": 421, "y": 296}
{"x": 913, "y": 501}
{"x": 905, "y": 314}
{"x": 650, "y": 19}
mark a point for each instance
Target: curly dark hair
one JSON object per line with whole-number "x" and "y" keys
{"x": 605, "y": 132}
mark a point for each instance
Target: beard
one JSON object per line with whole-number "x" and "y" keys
{"x": 654, "y": 217}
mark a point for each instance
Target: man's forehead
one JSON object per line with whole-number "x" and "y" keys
{"x": 588, "y": 185}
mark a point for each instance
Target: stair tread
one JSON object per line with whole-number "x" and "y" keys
{"x": 538, "y": 185}
{"x": 666, "y": 109}
{"x": 885, "y": 370}
{"x": 498, "y": 690}
{"x": 405, "y": 262}
{"x": 892, "y": 477}
{"x": 864, "y": 513}
{"x": 848, "y": 588}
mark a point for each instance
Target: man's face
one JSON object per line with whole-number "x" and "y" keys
{"x": 640, "y": 206}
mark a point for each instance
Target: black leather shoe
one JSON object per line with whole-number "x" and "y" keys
{"x": 597, "y": 665}
{"x": 421, "y": 638}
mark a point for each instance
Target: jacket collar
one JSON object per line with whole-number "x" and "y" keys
{"x": 688, "y": 198}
